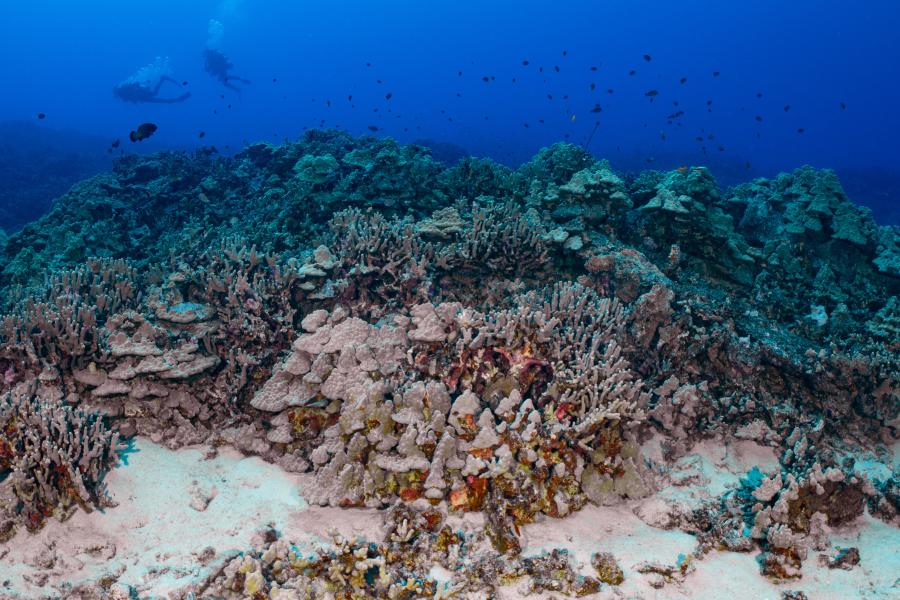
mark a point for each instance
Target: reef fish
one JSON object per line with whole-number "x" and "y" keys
{"x": 143, "y": 131}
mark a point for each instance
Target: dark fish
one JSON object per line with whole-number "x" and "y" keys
{"x": 758, "y": 118}
{"x": 565, "y": 52}
{"x": 593, "y": 68}
{"x": 787, "y": 107}
{"x": 648, "y": 58}
{"x": 388, "y": 96}
{"x": 143, "y": 131}
{"x": 747, "y": 165}
{"x": 709, "y": 102}
{"x": 759, "y": 94}
{"x": 651, "y": 94}
{"x": 459, "y": 73}
{"x": 800, "y": 130}
{"x": 185, "y": 82}
{"x": 596, "y": 109}
{"x": 41, "y": 116}
{"x": 610, "y": 91}
{"x": 549, "y": 96}
{"x": 716, "y": 73}
{"x": 350, "y": 98}
{"x": 201, "y": 134}
{"x": 274, "y": 80}
{"x": 525, "y": 63}
{"x": 115, "y": 144}
{"x": 540, "y": 69}
{"x": 843, "y": 105}
{"x": 486, "y": 79}
{"x": 525, "y": 125}
{"x": 593, "y": 86}
{"x": 556, "y": 68}
{"x": 373, "y": 128}
{"x": 368, "y": 64}
{"x": 328, "y": 103}
{"x": 720, "y": 148}
{"x": 683, "y": 80}
{"x": 378, "y": 81}
{"x": 632, "y": 72}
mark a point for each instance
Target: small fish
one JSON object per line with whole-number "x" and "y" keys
{"x": 368, "y": 64}
{"x": 573, "y": 118}
{"x": 41, "y": 116}
{"x": 683, "y": 80}
{"x": 651, "y": 93}
{"x": 843, "y": 106}
{"x": 662, "y": 135}
{"x": 525, "y": 63}
{"x": 388, "y": 96}
{"x": 593, "y": 68}
{"x": 373, "y": 128}
{"x": 378, "y": 81}
{"x": 201, "y": 134}
{"x": 115, "y": 144}
{"x": 486, "y": 79}
{"x": 800, "y": 130}
{"x": 720, "y": 148}
{"x": 556, "y": 68}
{"x": 716, "y": 73}
{"x": 525, "y": 125}
{"x": 350, "y": 98}
{"x": 648, "y": 58}
{"x": 593, "y": 86}
{"x": 787, "y": 107}
{"x": 747, "y": 165}
{"x": 632, "y": 72}
{"x": 143, "y": 131}
{"x": 758, "y": 119}
{"x": 565, "y": 52}
{"x": 759, "y": 94}
{"x": 459, "y": 73}
{"x": 610, "y": 91}
{"x": 274, "y": 80}
{"x": 596, "y": 109}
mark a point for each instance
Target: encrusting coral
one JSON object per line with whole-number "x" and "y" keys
{"x": 447, "y": 340}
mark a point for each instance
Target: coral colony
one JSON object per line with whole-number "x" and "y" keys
{"x": 441, "y": 343}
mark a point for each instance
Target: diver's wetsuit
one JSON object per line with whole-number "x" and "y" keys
{"x": 218, "y": 65}
{"x": 138, "y": 92}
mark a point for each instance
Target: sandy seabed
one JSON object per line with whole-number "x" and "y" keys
{"x": 182, "y": 514}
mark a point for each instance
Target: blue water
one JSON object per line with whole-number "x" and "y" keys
{"x": 62, "y": 58}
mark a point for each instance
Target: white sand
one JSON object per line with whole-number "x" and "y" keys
{"x": 157, "y": 530}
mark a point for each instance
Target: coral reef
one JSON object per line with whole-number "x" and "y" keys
{"x": 434, "y": 341}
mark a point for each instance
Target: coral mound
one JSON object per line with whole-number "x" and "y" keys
{"x": 450, "y": 343}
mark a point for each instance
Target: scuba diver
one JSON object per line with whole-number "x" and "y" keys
{"x": 144, "y": 85}
{"x": 218, "y": 65}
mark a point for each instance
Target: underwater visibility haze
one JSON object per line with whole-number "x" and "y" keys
{"x": 476, "y": 300}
